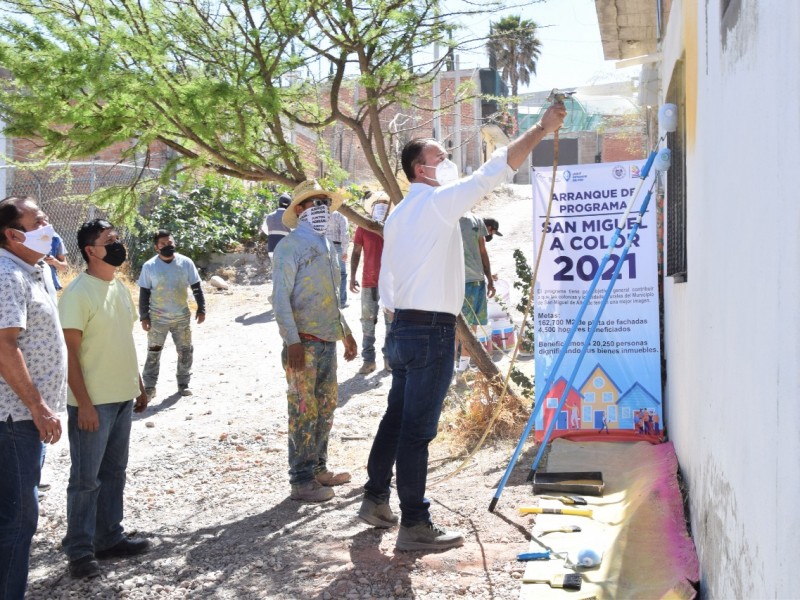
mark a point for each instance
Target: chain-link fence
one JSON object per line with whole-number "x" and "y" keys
{"x": 60, "y": 190}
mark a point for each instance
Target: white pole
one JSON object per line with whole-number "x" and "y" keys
{"x": 457, "y": 155}
{"x": 437, "y": 125}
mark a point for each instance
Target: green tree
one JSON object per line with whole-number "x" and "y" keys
{"x": 222, "y": 83}
{"x": 514, "y": 48}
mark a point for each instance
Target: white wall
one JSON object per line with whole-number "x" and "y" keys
{"x": 732, "y": 330}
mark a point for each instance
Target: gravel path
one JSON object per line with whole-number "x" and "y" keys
{"x": 208, "y": 483}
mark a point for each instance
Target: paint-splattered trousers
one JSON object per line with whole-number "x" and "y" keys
{"x": 181, "y": 331}
{"x": 312, "y": 395}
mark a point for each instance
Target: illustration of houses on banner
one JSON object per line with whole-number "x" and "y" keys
{"x": 565, "y": 419}
{"x": 599, "y": 396}
{"x": 640, "y": 411}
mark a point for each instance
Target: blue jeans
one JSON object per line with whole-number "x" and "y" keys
{"x": 343, "y": 282}
{"x": 97, "y": 479}
{"x": 20, "y": 468}
{"x": 370, "y": 308}
{"x": 421, "y": 357}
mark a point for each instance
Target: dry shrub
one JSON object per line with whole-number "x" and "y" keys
{"x": 227, "y": 273}
{"x": 470, "y": 418}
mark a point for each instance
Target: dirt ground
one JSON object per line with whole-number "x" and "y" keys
{"x": 208, "y": 483}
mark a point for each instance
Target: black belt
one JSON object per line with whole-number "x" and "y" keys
{"x": 425, "y": 316}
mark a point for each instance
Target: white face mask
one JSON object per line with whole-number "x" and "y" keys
{"x": 317, "y": 217}
{"x": 379, "y": 211}
{"x": 446, "y": 172}
{"x": 39, "y": 240}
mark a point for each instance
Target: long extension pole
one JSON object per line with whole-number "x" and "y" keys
{"x": 592, "y": 329}
{"x": 668, "y": 114}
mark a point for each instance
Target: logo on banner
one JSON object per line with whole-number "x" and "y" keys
{"x": 567, "y": 175}
{"x": 635, "y": 171}
{"x": 618, "y": 172}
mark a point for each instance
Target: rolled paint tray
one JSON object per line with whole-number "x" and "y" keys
{"x": 588, "y": 483}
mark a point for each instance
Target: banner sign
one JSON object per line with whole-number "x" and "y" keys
{"x": 618, "y": 386}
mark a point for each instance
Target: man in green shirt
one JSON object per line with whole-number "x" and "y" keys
{"x": 97, "y": 314}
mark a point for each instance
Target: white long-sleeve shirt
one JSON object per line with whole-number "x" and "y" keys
{"x": 422, "y": 266}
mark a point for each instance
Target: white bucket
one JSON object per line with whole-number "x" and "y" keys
{"x": 502, "y": 292}
{"x": 503, "y": 335}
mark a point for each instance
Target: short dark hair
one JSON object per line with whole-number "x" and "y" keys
{"x": 161, "y": 233}
{"x": 412, "y": 155}
{"x": 89, "y": 232}
{"x": 10, "y": 214}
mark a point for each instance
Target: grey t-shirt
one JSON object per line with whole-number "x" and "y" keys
{"x": 472, "y": 229}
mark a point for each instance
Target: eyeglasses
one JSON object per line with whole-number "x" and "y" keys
{"x": 321, "y": 201}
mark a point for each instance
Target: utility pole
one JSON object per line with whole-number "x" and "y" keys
{"x": 437, "y": 125}
{"x": 457, "y": 132}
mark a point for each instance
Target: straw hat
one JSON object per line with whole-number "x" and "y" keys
{"x": 374, "y": 197}
{"x": 304, "y": 191}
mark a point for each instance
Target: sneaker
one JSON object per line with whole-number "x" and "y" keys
{"x": 386, "y": 366}
{"x": 311, "y": 491}
{"x": 85, "y": 567}
{"x": 184, "y": 390}
{"x": 427, "y": 536}
{"x": 463, "y": 364}
{"x": 127, "y": 546}
{"x": 377, "y": 515}
{"x": 328, "y": 478}
{"x": 150, "y": 392}
{"x": 367, "y": 368}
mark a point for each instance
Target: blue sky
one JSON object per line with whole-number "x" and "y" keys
{"x": 572, "y": 54}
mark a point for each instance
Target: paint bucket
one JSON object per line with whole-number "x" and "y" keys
{"x": 502, "y": 292}
{"x": 484, "y": 339}
{"x": 503, "y": 335}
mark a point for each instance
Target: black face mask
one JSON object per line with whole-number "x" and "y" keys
{"x": 115, "y": 254}
{"x": 167, "y": 251}
{"x": 489, "y": 237}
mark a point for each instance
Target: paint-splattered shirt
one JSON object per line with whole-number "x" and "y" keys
{"x": 168, "y": 283}
{"x": 305, "y": 282}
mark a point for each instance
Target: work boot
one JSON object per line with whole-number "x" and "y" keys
{"x": 184, "y": 390}
{"x": 85, "y": 567}
{"x": 328, "y": 478}
{"x": 150, "y": 392}
{"x": 127, "y": 546}
{"x": 311, "y": 491}
{"x": 427, "y": 536}
{"x": 377, "y": 515}
{"x": 367, "y": 368}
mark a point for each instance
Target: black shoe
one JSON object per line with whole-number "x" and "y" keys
{"x": 125, "y": 547}
{"x": 85, "y": 567}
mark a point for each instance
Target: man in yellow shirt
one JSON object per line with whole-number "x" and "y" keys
{"x": 97, "y": 314}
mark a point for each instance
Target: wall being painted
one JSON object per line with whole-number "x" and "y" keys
{"x": 733, "y": 328}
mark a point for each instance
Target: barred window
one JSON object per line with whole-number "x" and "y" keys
{"x": 677, "y": 266}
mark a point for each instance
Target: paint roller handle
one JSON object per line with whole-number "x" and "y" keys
{"x": 537, "y": 510}
{"x": 534, "y": 555}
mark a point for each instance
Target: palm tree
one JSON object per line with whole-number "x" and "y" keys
{"x": 514, "y": 49}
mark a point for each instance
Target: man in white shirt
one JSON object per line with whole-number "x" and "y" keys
{"x": 422, "y": 281}
{"x": 339, "y": 235}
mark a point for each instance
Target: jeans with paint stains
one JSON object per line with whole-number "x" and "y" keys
{"x": 312, "y": 395}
